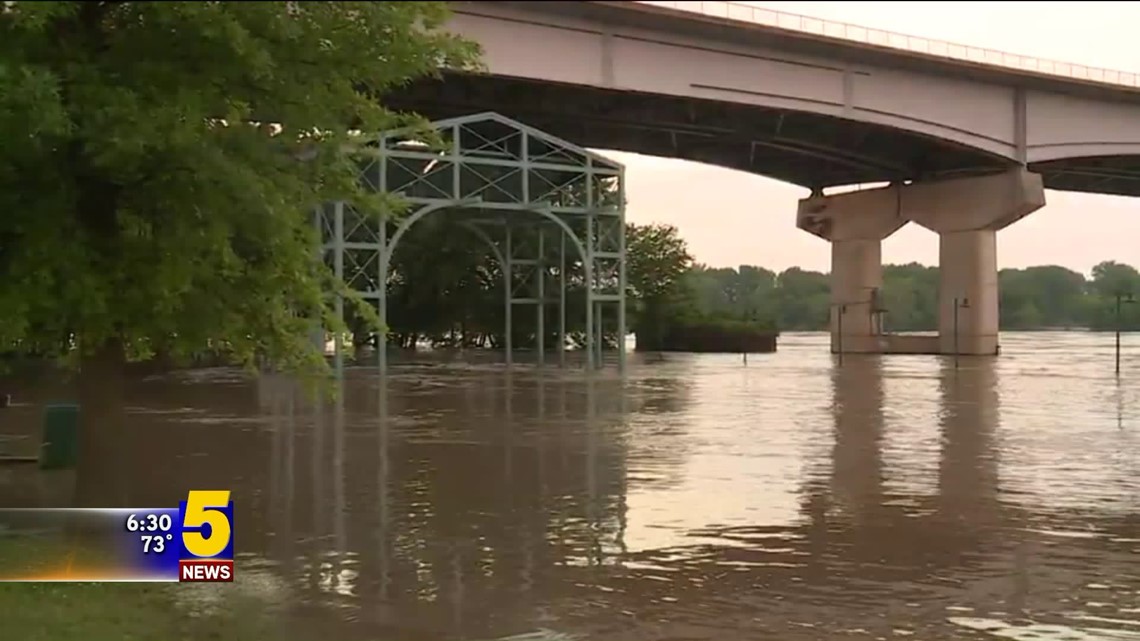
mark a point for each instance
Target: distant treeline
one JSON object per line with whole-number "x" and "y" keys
{"x": 1043, "y": 297}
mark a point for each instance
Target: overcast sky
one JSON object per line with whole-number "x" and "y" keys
{"x": 731, "y": 218}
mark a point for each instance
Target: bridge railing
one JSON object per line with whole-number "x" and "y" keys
{"x": 883, "y": 38}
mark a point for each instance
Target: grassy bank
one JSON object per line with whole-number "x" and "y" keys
{"x": 114, "y": 611}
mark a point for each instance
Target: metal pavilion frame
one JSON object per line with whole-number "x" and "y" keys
{"x": 499, "y": 177}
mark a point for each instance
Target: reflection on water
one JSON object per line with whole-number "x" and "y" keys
{"x": 696, "y": 499}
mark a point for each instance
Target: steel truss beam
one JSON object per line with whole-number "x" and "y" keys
{"x": 530, "y": 195}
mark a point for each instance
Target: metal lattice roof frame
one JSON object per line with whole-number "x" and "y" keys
{"x": 494, "y": 174}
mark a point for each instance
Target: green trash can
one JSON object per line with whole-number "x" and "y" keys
{"x": 60, "y": 448}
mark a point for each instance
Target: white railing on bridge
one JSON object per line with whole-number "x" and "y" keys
{"x": 880, "y": 37}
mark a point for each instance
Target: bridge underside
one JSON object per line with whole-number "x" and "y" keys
{"x": 805, "y": 149}
{"x": 1119, "y": 175}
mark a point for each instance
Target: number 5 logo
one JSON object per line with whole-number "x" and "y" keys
{"x": 206, "y": 508}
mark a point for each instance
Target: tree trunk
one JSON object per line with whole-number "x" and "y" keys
{"x": 104, "y": 448}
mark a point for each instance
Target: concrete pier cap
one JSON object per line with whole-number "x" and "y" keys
{"x": 965, "y": 212}
{"x": 991, "y": 202}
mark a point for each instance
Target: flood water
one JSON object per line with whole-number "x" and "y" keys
{"x": 698, "y": 498}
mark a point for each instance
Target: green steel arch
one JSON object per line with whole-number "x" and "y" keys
{"x": 495, "y": 175}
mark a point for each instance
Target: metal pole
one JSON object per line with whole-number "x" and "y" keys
{"x": 382, "y": 272}
{"x": 318, "y": 330}
{"x": 540, "y": 271}
{"x": 562, "y": 298}
{"x": 507, "y": 269}
{"x": 382, "y": 300}
{"x": 955, "y": 333}
{"x": 599, "y": 341}
{"x": 622, "y": 281}
{"x": 589, "y": 277}
{"x": 1118, "y": 334}
{"x": 338, "y": 267}
{"x": 839, "y": 341}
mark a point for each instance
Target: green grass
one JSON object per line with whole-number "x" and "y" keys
{"x": 114, "y": 611}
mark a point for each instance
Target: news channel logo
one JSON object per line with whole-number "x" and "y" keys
{"x": 193, "y": 543}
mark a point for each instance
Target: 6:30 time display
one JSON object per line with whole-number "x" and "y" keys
{"x": 149, "y": 523}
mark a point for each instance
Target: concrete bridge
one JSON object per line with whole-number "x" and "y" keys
{"x": 966, "y": 141}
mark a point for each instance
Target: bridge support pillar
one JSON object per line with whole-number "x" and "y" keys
{"x": 966, "y": 214}
{"x": 856, "y": 227}
{"x": 968, "y": 318}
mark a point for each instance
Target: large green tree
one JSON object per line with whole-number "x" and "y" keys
{"x": 160, "y": 163}
{"x": 658, "y": 259}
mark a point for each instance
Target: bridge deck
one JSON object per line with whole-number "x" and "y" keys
{"x": 900, "y": 42}
{"x": 815, "y": 36}
{"x": 643, "y": 78}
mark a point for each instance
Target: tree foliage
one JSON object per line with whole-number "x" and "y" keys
{"x": 678, "y": 305}
{"x": 161, "y": 161}
{"x": 160, "y": 167}
{"x": 658, "y": 259}
{"x": 1040, "y": 297}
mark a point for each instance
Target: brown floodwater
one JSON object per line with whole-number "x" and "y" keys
{"x": 697, "y": 498}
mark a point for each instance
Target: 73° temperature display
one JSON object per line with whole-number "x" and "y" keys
{"x": 155, "y": 531}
